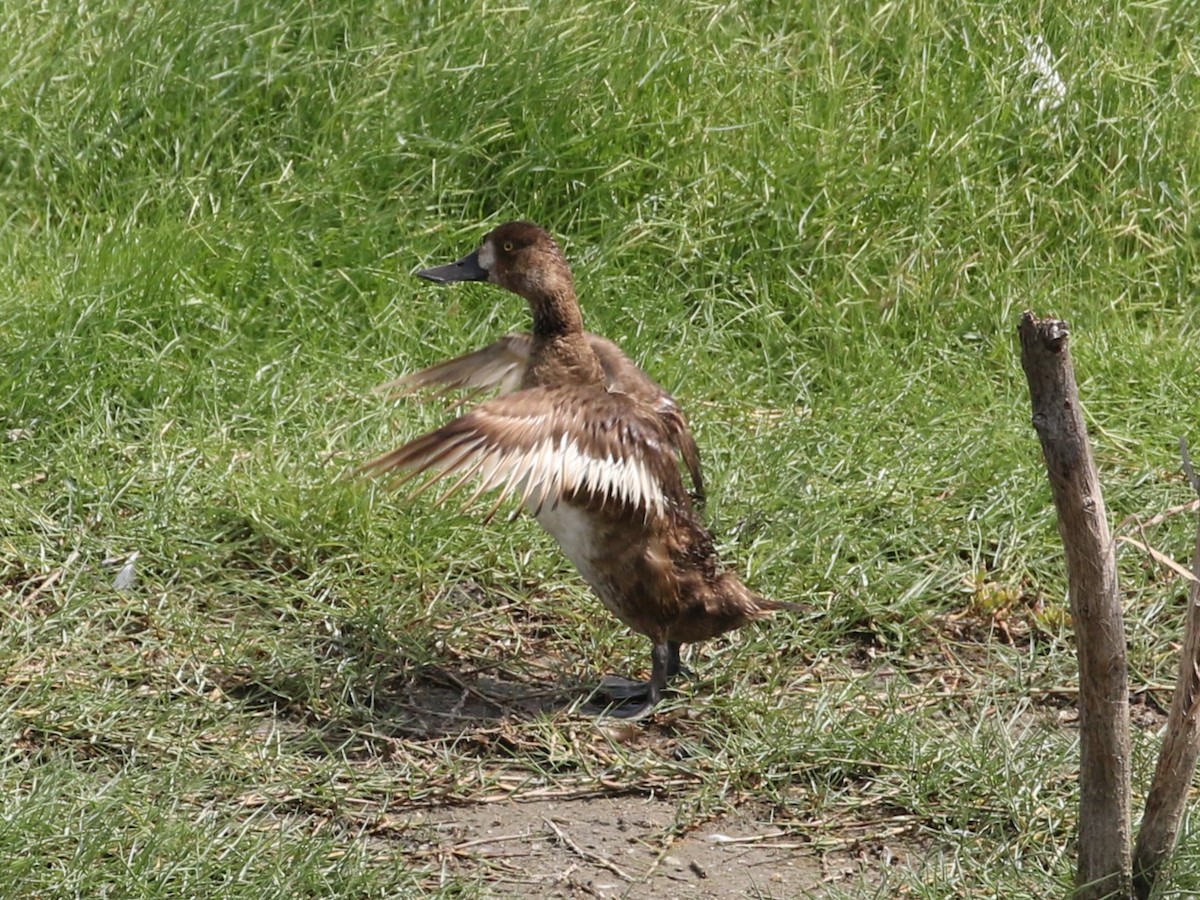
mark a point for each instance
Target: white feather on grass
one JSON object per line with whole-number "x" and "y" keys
{"x": 1049, "y": 88}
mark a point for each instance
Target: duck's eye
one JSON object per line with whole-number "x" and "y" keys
{"x": 508, "y": 245}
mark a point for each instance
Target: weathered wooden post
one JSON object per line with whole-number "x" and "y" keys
{"x": 1104, "y": 868}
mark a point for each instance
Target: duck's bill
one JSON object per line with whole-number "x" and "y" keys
{"x": 466, "y": 269}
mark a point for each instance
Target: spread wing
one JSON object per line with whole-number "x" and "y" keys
{"x": 498, "y": 366}
{"x": 604, "y": 450}
{"x": 501, "y": 365}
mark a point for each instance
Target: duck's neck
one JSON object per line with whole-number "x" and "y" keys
{"x": 560, "y": 354}
{"x": 556, "y": 312}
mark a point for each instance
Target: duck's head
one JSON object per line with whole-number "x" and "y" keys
{"x": 518, "y": 256}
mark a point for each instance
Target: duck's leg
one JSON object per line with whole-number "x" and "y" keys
{"x": 636, "y": 698}
{"x": 674, "y": 666}
{"x": 636, "y": 708}
{"x": 623, "y": 690}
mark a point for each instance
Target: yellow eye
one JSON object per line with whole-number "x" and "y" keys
{"x": 508, "y": 245}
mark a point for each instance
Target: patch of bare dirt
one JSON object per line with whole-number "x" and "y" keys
{"x": 624, "y": 847}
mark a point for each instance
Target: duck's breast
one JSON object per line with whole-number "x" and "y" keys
{"x": 580, "y": 536}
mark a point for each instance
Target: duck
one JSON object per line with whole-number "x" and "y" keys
{"x": 501, "y": 366}
{"x": 596, "y": 466}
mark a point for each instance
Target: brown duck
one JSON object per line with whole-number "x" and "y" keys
{"x": 595, "y": 465}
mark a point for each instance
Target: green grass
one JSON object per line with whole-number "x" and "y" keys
{"x": 816, "y": 223}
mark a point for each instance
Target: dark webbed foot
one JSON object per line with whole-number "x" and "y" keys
{"x": 631, "y": 699}
{"x": 617, "y": 689}
{"x": 631, "y": 708}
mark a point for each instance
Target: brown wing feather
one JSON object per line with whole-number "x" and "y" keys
{"x": 548, "y": 444}
{"x": 626, "y": 376}
{"x": 500, "y": 366}
{"x": 681, "y": 438}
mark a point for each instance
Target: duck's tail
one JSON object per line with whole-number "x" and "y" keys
{"x": 755, "y": 605}
{"x": 768, "y": 605}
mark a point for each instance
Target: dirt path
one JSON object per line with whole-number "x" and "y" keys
{"x": 614, "y": 847}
